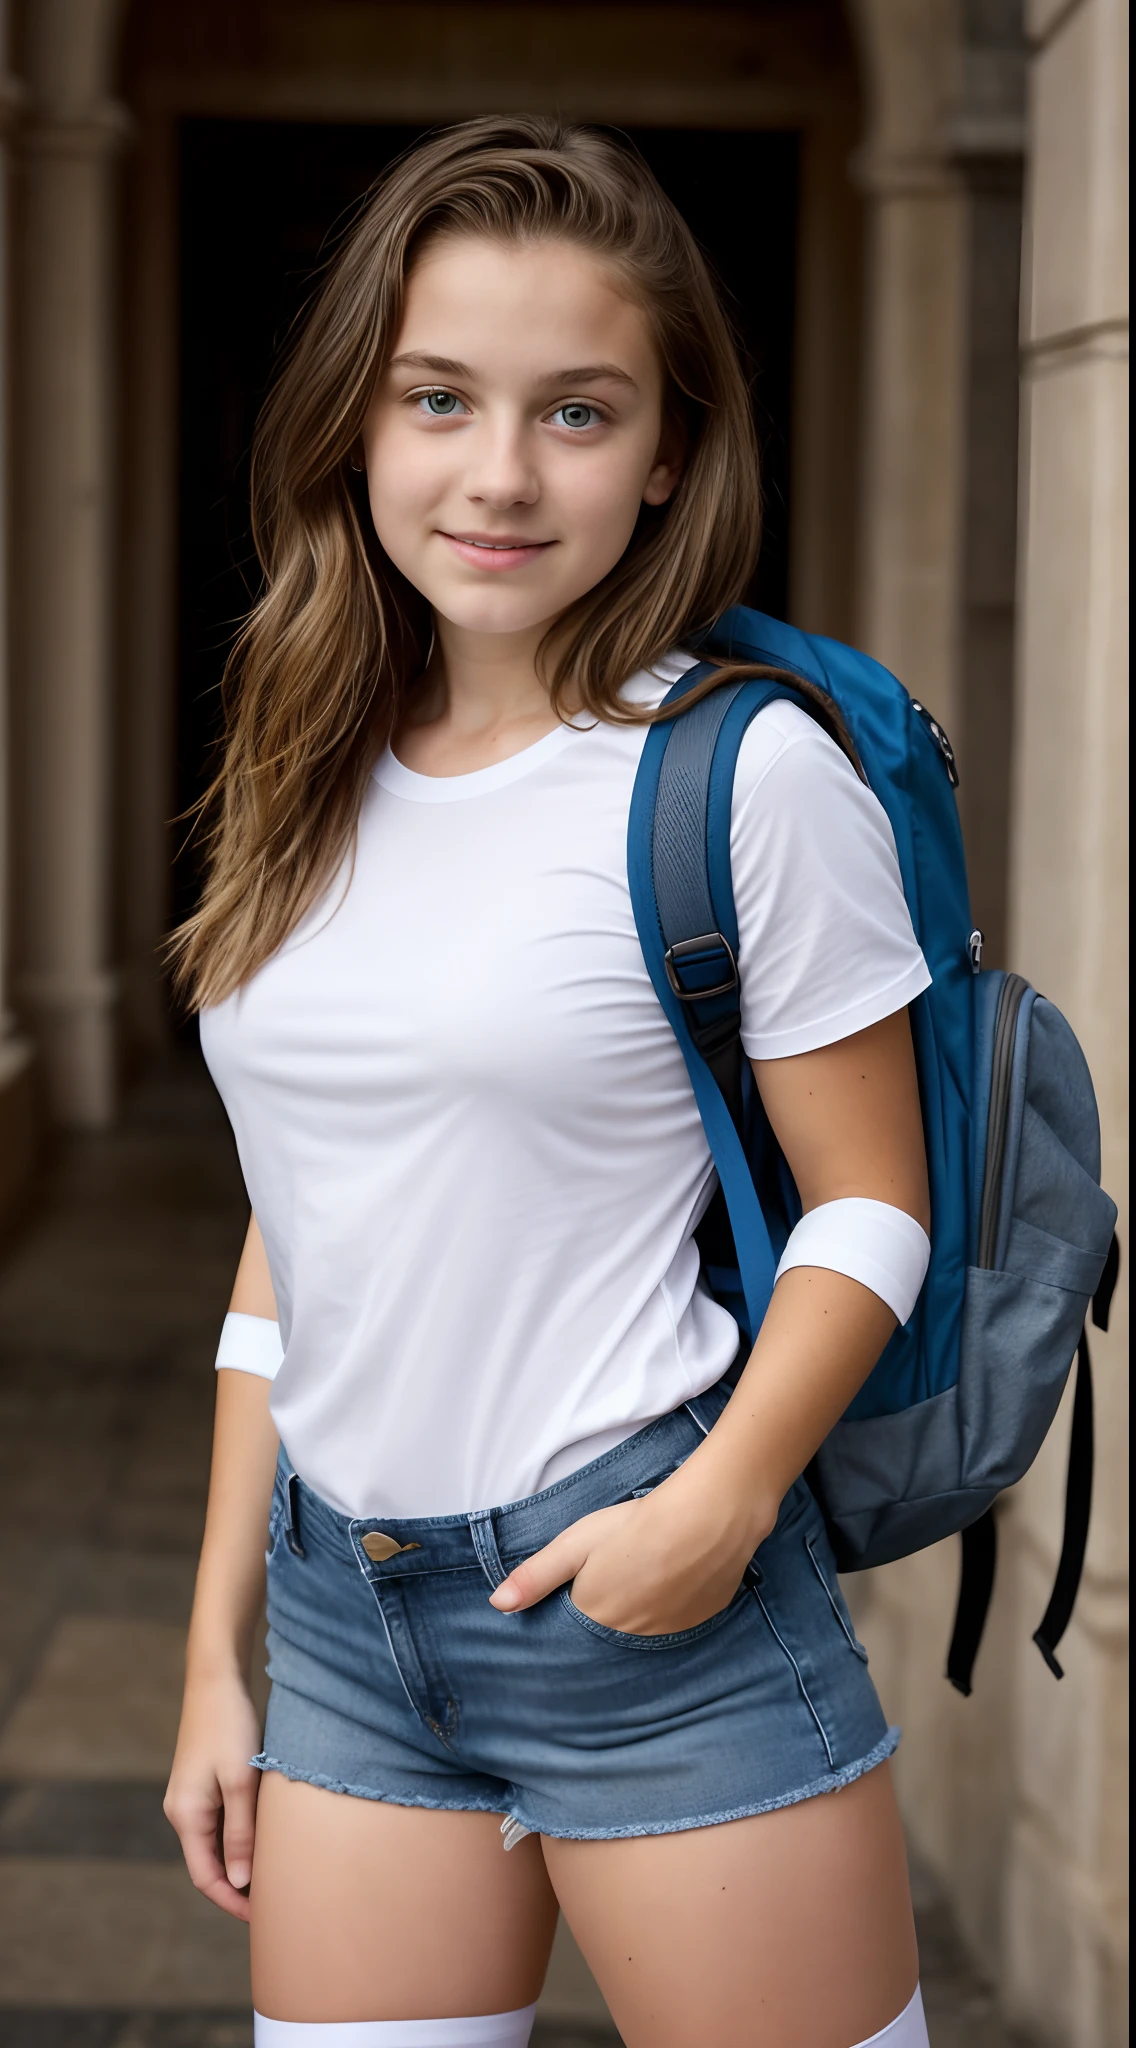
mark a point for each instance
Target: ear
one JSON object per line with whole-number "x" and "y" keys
{"x": 670, "y": 460}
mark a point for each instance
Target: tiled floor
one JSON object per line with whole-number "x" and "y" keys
{"x": 110, "y": 1302}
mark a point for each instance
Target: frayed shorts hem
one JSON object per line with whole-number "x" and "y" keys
{"x": 264, "y": 1762}
{"x": 832, "y": 1781}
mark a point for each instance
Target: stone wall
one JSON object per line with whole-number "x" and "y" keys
{"x": 1065, "y": 1885}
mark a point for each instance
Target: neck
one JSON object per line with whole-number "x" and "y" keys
{"x": 479, "y": 683}
{"x": 480, "y": 700}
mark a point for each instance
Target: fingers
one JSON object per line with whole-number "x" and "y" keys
{"x": 239, "y": 1827}
{"x": 540, "y": 1574}
{"x": 196, "y": 1823}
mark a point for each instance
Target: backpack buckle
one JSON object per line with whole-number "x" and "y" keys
{"x": 699, "y": 953}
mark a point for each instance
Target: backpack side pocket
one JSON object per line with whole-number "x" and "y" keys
{"x": 1046, "y": 1231}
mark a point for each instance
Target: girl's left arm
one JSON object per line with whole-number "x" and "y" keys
{"x": 848, "y": 1120}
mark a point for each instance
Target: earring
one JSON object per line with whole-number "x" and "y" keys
{"x": 355, "y": 463}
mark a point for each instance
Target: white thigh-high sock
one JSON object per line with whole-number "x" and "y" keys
{"x": 488, "y": 2030}
{"x": 908, "y": 2031}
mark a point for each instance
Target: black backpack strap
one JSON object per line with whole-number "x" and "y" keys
{"x": 980, "y": 1549}
{"x": 700, "y": 962}
{"x": 1078, "y": 1504}
{"x": 696, "y": 914}
{"x": 678, "y": 871}
{"x": 980, "y": 1541}
{"x": 1106, "y": 1286}
{"x": 1079, "y": 1484}
{"x": 976, "y": 1584}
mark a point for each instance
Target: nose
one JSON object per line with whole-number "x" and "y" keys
{"x": 503, "y": 472}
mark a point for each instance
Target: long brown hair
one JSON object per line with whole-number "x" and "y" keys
{"x": 317, "y": 679}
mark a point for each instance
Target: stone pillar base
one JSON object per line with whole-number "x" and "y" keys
{"x": 75, "y": 1019}
{"x": 21, "y": 1125}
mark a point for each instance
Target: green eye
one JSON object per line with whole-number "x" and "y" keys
{"x": 577, "y": 415}
{"x": 442, "y": 404}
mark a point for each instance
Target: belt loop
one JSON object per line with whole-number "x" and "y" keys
{"x": 483, "y": 1531}
{"x": 292, "y": 1515}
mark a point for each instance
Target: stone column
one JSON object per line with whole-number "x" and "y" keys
{"x": 914, "y": 414}
{"x": 17, "y": 1120}
{"x": 65, "y": 552}
{"x": 941, "y": 170}
{"x": 1066, "y": 1883}
{"x": 148, "y": 694}
{"x": 826, "y": 378}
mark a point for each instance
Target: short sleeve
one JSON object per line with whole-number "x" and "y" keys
{"x": 826, "y": 944}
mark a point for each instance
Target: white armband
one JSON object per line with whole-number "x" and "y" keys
{"x": 250, "y": 1344}
{"x": 882, "y": 1247}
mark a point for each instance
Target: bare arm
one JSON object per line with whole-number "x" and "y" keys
{"x": 212, "y": 1791}
{"x": 848, "y": 1120}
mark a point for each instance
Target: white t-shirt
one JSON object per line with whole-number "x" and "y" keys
{"x": 465, "y": 1124}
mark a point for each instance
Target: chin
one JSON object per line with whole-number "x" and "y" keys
{"x": 493, "y": 611}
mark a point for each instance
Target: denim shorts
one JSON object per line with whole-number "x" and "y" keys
{"x": 394, "y": 1679}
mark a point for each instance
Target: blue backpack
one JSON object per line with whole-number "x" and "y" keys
{"x": 1022, "y": 1237}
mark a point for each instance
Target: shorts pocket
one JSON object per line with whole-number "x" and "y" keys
{"x": 821, "y": 1558}
{"x": 648, "y": 1486}
{"x": 626, "y": 1640}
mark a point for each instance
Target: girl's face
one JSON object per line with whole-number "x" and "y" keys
{"x": 516, "y": 431}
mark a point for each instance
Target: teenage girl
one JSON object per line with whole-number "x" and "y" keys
{"x": 553, "y": 1617}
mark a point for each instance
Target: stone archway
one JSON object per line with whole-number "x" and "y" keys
{"x": 94, "y": 556}
{"x": 700, "y": 67}
{"x": 938, "y": 106}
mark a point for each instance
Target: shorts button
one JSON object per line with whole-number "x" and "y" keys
{"x": 379, "y": 1546}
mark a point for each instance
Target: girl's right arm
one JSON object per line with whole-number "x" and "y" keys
{"x": 211, "y": 1798}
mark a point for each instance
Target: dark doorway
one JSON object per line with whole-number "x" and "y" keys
{"x": 258, "y": 203}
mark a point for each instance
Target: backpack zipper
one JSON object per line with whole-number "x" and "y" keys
{"x": 1001, "y": 1075}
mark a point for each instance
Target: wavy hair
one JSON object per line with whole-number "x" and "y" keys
{"x": 319, "y": 674}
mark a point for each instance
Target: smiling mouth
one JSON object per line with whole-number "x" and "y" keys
{"x": 493, "y": 547}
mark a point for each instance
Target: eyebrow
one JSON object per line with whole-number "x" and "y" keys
{"x": 445, "y": 366}
{"x": 591, "y": 373}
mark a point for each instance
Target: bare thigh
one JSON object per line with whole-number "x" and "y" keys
{"x": 364, "y": 1911}
{"x": 790, "y": 1930}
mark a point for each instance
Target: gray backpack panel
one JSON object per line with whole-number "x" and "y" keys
{"x": 893, "y": 1483}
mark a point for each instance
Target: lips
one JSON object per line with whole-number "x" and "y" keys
{"x": 505, "y": 540}
{"x": 496, "y": 551}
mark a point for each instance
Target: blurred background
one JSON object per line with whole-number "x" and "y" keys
{"x": 917, "y": 208}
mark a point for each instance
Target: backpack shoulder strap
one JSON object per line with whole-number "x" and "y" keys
{"x": 678, "y": 863}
